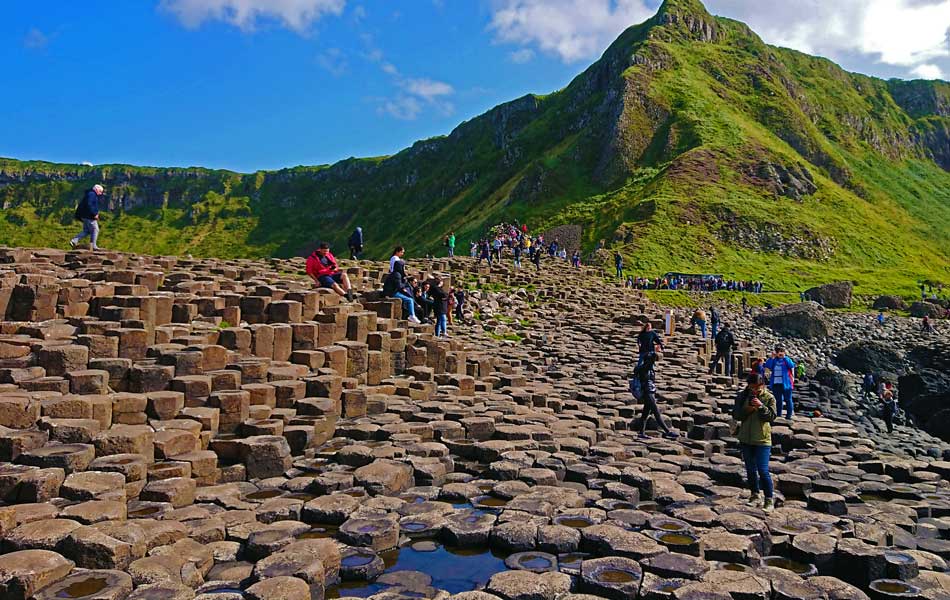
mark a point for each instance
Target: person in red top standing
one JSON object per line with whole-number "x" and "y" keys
{"x": 323, "y": 269}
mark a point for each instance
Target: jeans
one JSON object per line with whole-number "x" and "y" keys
{"x": 440, "y": 325}
{"x": 715, "y": 329}
{"x": 727, "y": 358}
{"x": 756, "y": 460}
{"x": 783, "y": 396}
{"x": 650, "y": 408}
{"x": 702, "y": 327}
{"x": 620, "y": 273}
{"x": 407, "y": 301}
{"x": 90, "y": 227}
{"x": 451, "y": 251}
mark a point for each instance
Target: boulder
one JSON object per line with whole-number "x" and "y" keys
{"x": 832, "y": 295}
{"x": 806, "y": 320}
{"x": 889, "y": 303}
{"x": 868, "y": 356}
{"x": 832, "y": 379}
{"x": 925, "y": 309}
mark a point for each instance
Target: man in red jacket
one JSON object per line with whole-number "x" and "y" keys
{"x": 323, "y": 269}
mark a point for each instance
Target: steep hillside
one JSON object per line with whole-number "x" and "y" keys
{"x": 690, "y": 145}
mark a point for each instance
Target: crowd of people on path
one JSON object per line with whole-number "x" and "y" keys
{"x": 515, "y": 240}
{"x": 688, "y": 283}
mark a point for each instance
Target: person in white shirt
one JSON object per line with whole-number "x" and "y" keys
{"x": 398, "y": 251}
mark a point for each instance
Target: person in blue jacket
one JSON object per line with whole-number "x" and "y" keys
{"x": 781, "y": 381}
{"x": 88, "y": 213}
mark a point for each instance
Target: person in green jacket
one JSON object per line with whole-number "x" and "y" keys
{"x": 754, "y": 410}
{"x": 450, "y": 243}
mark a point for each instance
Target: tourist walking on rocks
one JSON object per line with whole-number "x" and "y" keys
{"x": 926, "y": 326}
{"x": 484, "y": 252}
{"x": 618, "y": 264}
{"x": 396, "y": 257}
{"x": 439, "y": 306}
{"x": 450, "y": 305}
{"x": 889, "y": 409}
{"x": 450, "y": 243}
{"x": 869, "y": 386}
{"x": 699, "y": 320}
{"x": 880, "y": 318}
{"x": 517, "y": 254}
{"x": 536, "y": 259}
{"x": 715, "y": 320}
{"x": 754, "y": 410}
{"x": 88, "y": 212}
{"x": 356, "y": 243}
{"x": 322, "y": 268}
{"x": 576, "y": 259}
{"x": 460, "y": 305}
{"x": 782, "y": 380}
{"x": 647, "y": 377}
{"x": 725, "y": 341}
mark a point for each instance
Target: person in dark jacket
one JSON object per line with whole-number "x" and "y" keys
{"x": 754, "y": 410}
{"x": 889, "y": 409}
{"x": 88, "y": 213}
{"x": 439, "y": 306}
{"x": 618, "y": 264}
{"x": 460, "y": 305}
{"x": 725, "y": 342}
{"x": 716, "y": 320}
{"x": 536, "y": 259}
{"x": 356, "y": 243}
{"x": 647, "y": 376}
{"x": 647, "y": 341}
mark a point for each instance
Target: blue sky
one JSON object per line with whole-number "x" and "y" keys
{"x": 259, "y": 84}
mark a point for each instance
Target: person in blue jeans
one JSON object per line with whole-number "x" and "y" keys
{"x": 781, "y": 381}
{"x": 439, "y": 306}
{"x": 395, "y": 286}
{"x": 754, "y": 411}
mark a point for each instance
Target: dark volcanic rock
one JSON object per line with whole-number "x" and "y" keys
{"x": 864, "y": 355}
{"x": 925, "y": 309}
{"x": 832, "y": 295}
{"x": 890, "y": 302}
{"x": 806, "y": 320}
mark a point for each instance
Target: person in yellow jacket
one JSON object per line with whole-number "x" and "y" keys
{"x": 754, "y": 411}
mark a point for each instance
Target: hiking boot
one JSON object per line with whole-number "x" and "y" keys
{"x": 349, "y": 295}
{"x": 72, "y": 243}
{"x": 755, "y": 501}
{"x": 414, "y": 319}
{"x": 671, "y": 435}
{"x": 769, "y": 505}
{"x": 643, "y": 436}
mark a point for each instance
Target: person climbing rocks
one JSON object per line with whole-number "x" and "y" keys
{"x": 926, "y": 326}
{"x": 618, "y": 264}
{"x": 396, "y": 256}
{"x": 439, "y": 306}
{"x": 323, "y": 269}
{"x": 450, "y": 243}
{"x": 576, "y": 259}
{"x": 880, "y": 318}
{"x": 755, "y": 411}
{"x": 648, "y": 341}
{"x": 516, "y": 252}
{"x": 356, "y": 243}
{"x": 714, "y": 319}
{"x": 725, "y": 341}
{"x": 647, "y": 376}
{"x": 782, "y": 380}
{"x": 484, "y": 252}
{"x": 745, "y": 306}
{"x": 699, "y": 320}
{"x": 889, "y": 409}
{"x": 460, "y": 305}
{"x": 536, "y": 259}
{"x": 88, "y": 212}
{"x": 868, "y": 385}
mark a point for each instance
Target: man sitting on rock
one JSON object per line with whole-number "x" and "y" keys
{"x": 322, "y": 268}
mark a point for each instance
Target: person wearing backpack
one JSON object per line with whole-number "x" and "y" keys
{"x": 725, "y": 341}
{"x": 88, "y": 212}
{"x": 646, "y": 384}
{"x": 754, "y": 410}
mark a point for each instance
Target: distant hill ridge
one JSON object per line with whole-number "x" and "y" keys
{"x": 689, "y": 145}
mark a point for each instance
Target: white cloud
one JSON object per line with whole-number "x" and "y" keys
{"x": 35, "y": 39}
{"x": 428, "y": 89}
{"x": 884, "y": 36}
{"x": 402, "y": 107}
{"x": 928, "y": 71}
{"x": 570, "y": 29}
{"x": 246, "y": 14}
{"x": 333, "y": 61}
{"x": 902, "y": 33}
{"x": 521, "y": 56}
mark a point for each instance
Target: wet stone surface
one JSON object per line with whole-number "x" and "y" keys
{"x": 218, "y": 429}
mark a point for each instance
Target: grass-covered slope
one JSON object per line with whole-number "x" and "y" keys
{"x": 691, "y": 145}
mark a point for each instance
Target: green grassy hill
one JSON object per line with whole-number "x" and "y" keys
{"x": 690, "y": 145}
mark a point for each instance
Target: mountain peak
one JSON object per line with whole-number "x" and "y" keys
{"x": 692, "y": 15}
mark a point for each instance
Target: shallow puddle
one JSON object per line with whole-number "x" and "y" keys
{"x": 453, "y": 570}
{"x": 83, "y": 588}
